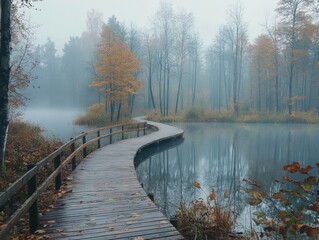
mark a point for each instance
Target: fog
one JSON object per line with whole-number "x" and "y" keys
{"x": 219, "y": 56}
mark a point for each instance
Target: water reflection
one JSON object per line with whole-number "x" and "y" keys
{"x": 220, "y": 156}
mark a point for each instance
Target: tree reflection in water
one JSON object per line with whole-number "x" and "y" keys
{"x": 220, "y": 155}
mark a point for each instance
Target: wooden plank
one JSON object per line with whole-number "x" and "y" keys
{"x": 105, "y": 199}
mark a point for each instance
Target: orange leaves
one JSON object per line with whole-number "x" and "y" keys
{"x": 278, "y": 196}
{"x": 116, "y": 68}
{"x": 306, "y": 170}
{"x": 293, "y": 168}
{"x": 310, "y": 231}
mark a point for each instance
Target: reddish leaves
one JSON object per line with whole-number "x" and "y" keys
{"x": 293, "y": 168}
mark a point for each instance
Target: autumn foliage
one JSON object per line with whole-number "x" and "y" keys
{"x": 293, "y": 209}
{"x": 116, "y": 70}
{"x": 211, "y": 218}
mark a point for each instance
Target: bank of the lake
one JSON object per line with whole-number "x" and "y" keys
{"x": 197, "y": 114}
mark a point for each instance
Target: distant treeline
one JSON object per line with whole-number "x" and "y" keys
{"x": 277, "y": 72}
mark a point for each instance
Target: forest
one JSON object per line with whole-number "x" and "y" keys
{"x": 276, "y": 72}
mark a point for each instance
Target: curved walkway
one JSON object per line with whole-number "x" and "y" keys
{"x": 104, "y": 199}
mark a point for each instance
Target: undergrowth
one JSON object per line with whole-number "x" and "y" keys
{"x": 198, "y": 114}
{"x": 211, "y": 218}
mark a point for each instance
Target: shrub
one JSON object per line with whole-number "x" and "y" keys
{"x": 194, "y": 114}
{"x": 208, "y": 219}
{"x": 154, "y": 115}
{"x": 94, "y": 116}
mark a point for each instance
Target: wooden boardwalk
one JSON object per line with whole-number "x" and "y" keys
{"x": 104, "y": 199}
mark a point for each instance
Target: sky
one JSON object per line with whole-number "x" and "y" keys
{"x": 61, "y": 19}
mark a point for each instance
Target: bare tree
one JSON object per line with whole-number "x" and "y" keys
{"x": 5, "y": 76}
{"x": 237, "y": 41}
{"x": 291, "y": 12}
{"x": 165, "y": 24}
{"x": 184, "y": 26}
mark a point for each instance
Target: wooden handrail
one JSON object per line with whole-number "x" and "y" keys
{"x": 7, "y": 194}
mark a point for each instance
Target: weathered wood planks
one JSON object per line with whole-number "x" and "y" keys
{"x": 105, "y": 199}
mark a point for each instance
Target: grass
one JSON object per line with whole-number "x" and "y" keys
{"x": 213, "y": 218}
{"x": 197, "y": 114}
{"x": 94, "y": 116}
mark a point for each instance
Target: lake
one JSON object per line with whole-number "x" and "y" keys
{"x": 56, "y": 123}
{"x": 220, "y": 156}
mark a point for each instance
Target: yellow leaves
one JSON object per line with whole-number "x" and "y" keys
{"x": 256, "y": 197}
{"x": 197, "y": 184}
{"x": 116, "y": 68}
{"x": 306, "y": 187}
{"x": 138, "y": 238}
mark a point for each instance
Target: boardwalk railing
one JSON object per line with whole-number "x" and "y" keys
{"x": 72, "y": 149}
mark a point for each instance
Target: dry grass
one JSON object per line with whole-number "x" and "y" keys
{"x": 94, "y": 116}
{"x": 210, "y": 219}
{"x": 202, "y": 221}
{"x": 197, "y": 114}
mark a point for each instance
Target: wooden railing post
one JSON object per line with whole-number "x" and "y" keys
{"x": 58, "y": 178}
{"x": 98, "y": 141}
{"x": 33, "y": 210}
{"x": 74, "y": 158}
{"x": 122, "y": 132}
{"x": 144, "y": 128}
{"x": 84, "y": 149}
{"x": 111, "y": 130}
{"x": 138, "y": 130}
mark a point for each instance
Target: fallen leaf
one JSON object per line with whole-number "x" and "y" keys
{"x": 130, "y": 222}
{"x": 164, "y": 222}
{"x": 40, "y": 231}
{"x": 134, "y": 215}
{"x": 138, "y": 238}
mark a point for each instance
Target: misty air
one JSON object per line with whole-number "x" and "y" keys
{"x": 159, "y": 119}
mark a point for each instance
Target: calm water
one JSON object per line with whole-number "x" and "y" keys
{"x": 55, "y": 122}
{"x": 220, "y": 155}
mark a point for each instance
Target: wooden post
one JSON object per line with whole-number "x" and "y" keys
{"x": 122, "y": 132}
{"x": 98, "y": 141}
{"x": 33, "y": 210}
{"x": 111, "y": 130}
{"x": 58, "y": 178}
{"x": 74, "y": 158}
{"x": 138, "y": 130}
{"x": 144, "y": 128}
{"x": 84, "y": 149}
{"x": 151, "y": 196}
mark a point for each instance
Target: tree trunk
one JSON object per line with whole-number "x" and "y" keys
{"x": 5, "y": 76}
{"x": 119, "y": 112}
